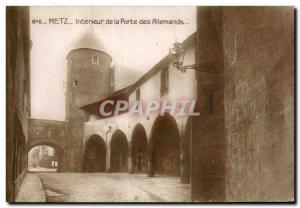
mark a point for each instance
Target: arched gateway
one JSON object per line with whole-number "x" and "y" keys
{"x": 51, "y": 135}
{"x": 45, "y": 156}
{"x": 164, "y": 147}
{"x": 94, "y": 155}
{"x": 119, "y": 152}
{"x": 139, "y": 149}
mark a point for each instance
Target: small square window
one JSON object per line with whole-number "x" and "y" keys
{"x": 95, "y": 60}
{"x": 75, "y": 83}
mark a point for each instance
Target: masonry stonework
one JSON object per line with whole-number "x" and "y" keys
{"x": 259, "y": 103}
{"x": 18, "y": 45}
{"x": 243, "y": 148}
{"x": 208, "y": 142}
{"x": 50, "y": 133}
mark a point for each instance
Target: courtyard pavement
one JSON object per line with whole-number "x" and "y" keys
{"x": 31, "y": 189}
{"x": 111, "y": 187}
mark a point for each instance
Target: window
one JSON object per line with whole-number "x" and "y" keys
{"x": 164, "y": 81}
{"x": 95, "y": 60}
{"x": 75, "y": 83}
{"x": 138, "y": 94}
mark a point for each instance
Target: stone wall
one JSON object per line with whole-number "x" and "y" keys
{"x": 17, "y": 96}
{"x": 243, "y": 142}
{"x": 207, "y": 131}
{"x": 43, "y": 131}
{"x": 259, "y": 103}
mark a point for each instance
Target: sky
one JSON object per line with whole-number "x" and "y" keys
{"x": 138, "y": 46}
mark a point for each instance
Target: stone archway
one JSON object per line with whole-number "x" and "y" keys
{"x": 164, "y": 147}
{"x": 139, "y": 149}
{"x": 119, "y": 152}
{"x": 94, "y": 155}
{"x": 54, "y": 160}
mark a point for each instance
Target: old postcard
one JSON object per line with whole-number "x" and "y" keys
{"x": 150, "y": 104}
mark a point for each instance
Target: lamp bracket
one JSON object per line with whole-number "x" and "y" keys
{"x": 201, "y": 67}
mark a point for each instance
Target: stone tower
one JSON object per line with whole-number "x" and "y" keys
{"x": 89, "y": 78}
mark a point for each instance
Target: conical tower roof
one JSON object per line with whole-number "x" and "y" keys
{"x": 89, "y": 40}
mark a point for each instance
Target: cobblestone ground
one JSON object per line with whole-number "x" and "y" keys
{"x": 112, "y": 187}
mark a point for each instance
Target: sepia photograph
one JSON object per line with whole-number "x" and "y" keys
{"x": 150, "y": 104}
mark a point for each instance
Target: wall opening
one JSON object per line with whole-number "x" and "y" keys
{"x": 94, "y": 156}
{"x": 43, "y": 158}
{"x": 139, "y": 149}
{"x": 75, "y": 84}
{"x": 119, "y": 152}
{"x": 164, "y": 153}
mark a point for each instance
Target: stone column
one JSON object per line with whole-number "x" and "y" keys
{"x": 130, "y": 165}
{"x": 185, "y": 152}
{"x": 108, "y": 153}
{"x": 184, "y": 172}
{"x": 151, "y": 171}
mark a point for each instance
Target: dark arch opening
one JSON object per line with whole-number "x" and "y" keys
{"x": 44, "y": 157}
{"x": 139, "y": 149}
{"x": 164, "y": 152}
{"x": 94, "y": 155}
{"x": 119, "y": 152}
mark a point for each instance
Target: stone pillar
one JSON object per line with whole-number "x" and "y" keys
{"x": 108, "y": 154}
{"x": 185, "y": 152}
{"x": 130, "y": 165}
{"x": 184, "y": 166}
{"x": 151, "y": 171}
{"x": 208, "y": 140}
